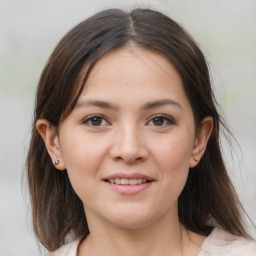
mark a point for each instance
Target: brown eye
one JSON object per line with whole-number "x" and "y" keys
{"x": 158, "y": 121}
{"x": 95, "y": 121}
{"x": 161, "y": 121}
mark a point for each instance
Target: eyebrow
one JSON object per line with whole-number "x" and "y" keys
{"x": 160, "y": 103}
{"x": 97, "y": 103}
{"x": 147, "y": 106}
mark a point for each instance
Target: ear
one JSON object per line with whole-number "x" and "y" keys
{"x": 51, "y": 140}
{"x": 201, "y": 140}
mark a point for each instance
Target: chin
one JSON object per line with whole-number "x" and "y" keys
{"x": 131, "y": 219}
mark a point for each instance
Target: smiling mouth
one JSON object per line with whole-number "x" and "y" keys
{"x": 123, "y": 181}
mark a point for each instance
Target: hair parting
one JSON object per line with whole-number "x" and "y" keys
{"x": 208, "y": 199}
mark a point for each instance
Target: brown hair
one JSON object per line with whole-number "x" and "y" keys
{"x": 208, "y": 197}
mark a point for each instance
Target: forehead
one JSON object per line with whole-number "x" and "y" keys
{"x": 132, "y": 68}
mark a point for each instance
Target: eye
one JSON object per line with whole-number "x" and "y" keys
{"x": 96, "y": 121}
{"x": 161, "y": 120}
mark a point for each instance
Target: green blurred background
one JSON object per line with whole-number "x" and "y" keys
{"x": 29, "y": 30}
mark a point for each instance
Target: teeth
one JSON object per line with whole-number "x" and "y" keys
{"x": 123, "y": 181}
{"x": 133, "y": 182}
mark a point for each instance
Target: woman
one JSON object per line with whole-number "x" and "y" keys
{"x": 124, "y": 156}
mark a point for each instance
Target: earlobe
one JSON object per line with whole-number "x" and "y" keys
{"x": 201, "y": 141}
{"x": 51, "y": 140}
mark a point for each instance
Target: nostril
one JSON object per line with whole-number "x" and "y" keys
{"x": 130, "y": 159}
{"x": 129, "y": 149}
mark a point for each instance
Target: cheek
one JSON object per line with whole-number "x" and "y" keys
{"x": 82, "y": 158}
{"x": 173, "y": 158}
{"x": 80, "y": 151}
{"x": 174, "y": 152}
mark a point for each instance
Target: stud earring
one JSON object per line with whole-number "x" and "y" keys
{"x": 196, "y": 159}
{"x": 56, "y": 162}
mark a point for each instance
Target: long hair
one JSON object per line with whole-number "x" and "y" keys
{"x": 208, "y": 199}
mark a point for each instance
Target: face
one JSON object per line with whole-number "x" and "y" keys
{"x": 130, "y": 141}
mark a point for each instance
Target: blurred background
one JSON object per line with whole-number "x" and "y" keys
{"x": 29, "y": 30}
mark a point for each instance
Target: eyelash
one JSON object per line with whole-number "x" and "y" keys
{"x": 166, "y": 119}
{"x": 88, "y": 120}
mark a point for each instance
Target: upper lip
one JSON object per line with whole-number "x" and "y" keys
{"x": 122, "y": 175}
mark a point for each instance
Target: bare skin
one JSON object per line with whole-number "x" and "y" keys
{"x": 133, "y": 120}
{"x": 150, "y": 245}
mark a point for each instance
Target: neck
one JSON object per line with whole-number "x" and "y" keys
{"x": 166, "y": 237}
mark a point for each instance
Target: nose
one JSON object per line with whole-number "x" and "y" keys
{"x": 128, "y": 145}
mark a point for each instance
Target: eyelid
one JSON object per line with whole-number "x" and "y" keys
{"x": 86, "y": 120}
{"x": 90, "y": 117}
{"x": 170, "y": 120}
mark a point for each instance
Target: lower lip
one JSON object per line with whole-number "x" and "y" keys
{"x": 129, "y": 189}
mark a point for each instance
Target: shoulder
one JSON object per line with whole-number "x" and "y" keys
{"x": 220, "y": 242}
{"x": 69, "y": 249}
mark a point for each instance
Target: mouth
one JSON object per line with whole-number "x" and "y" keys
{"x": 125, "y": 181}
{"x": 128, "y": 183}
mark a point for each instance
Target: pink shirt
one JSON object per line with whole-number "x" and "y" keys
{"x": 218, "y": 243}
